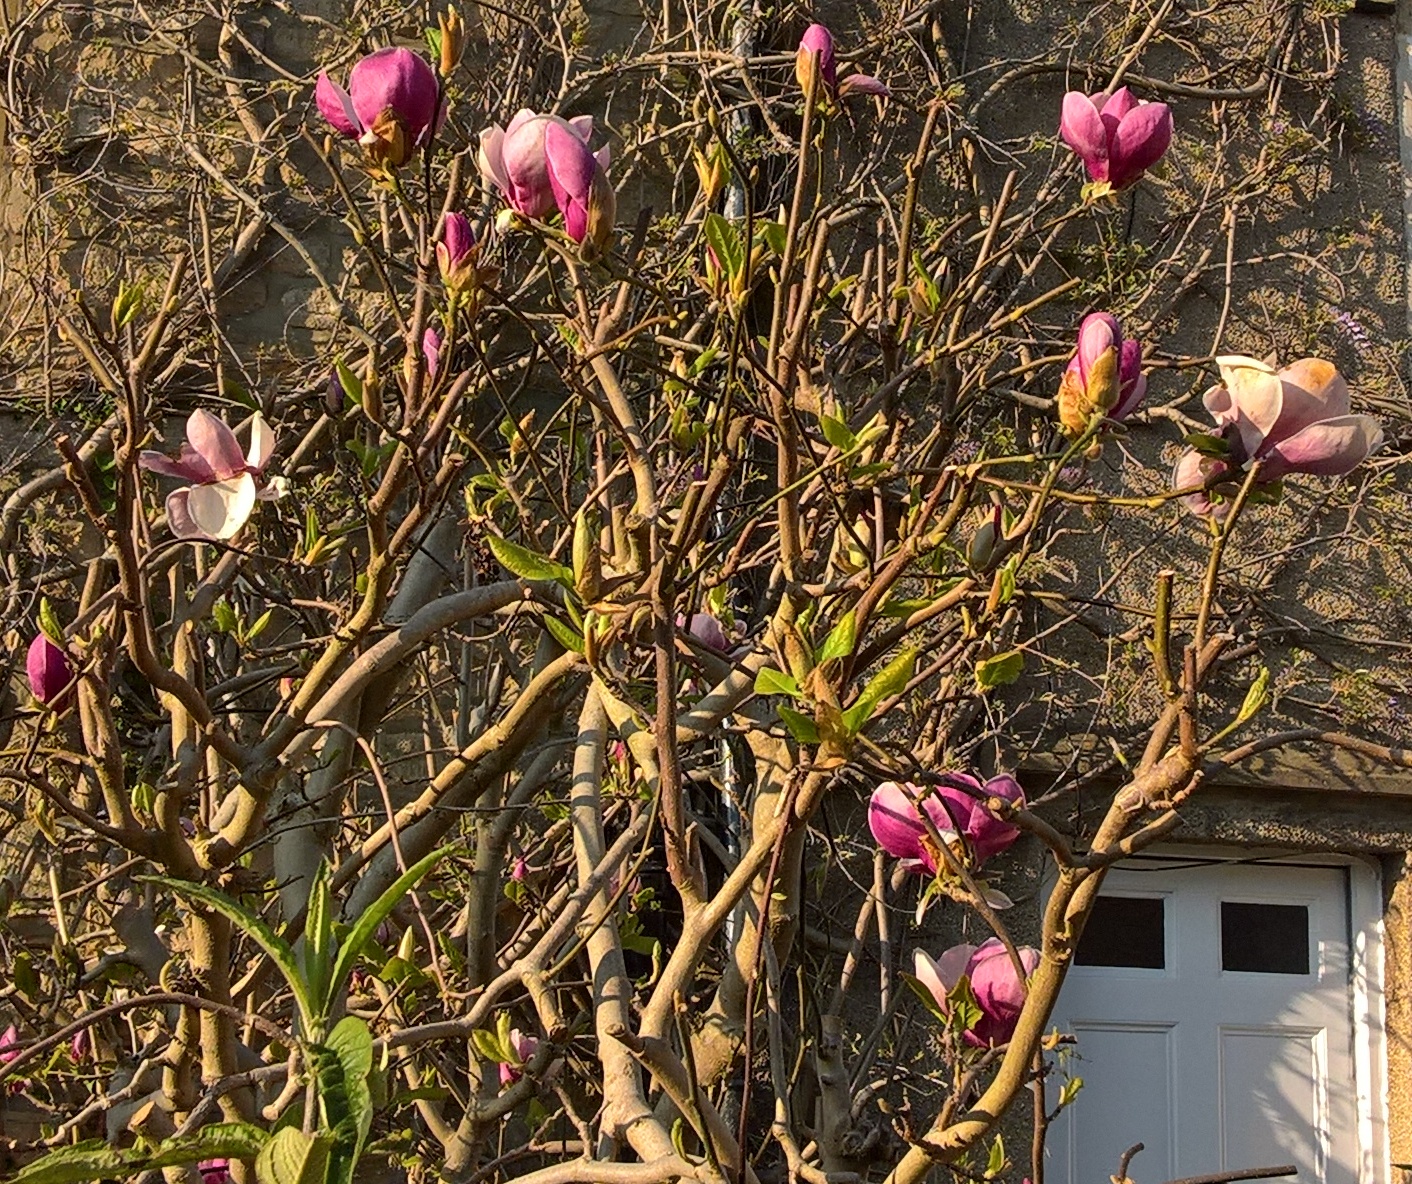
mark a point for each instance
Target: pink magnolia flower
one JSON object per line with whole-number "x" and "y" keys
{"x": 1117, "y": 136}
{"x": 707, "y": 629}
{"x": 524, "y": 1047}
{"x": 431, "y": 352}
{"x": 214, "y": 1171}
{"x": 391, "y": 106}
{"x": 579, "y": 181}
{"x": 816, "y": 56}
{"x": 456, "y": 252}
{"x": 513, "y": 159}
{"x": 9, "y": 1051}
{"x": 224, "y": 484}
{"x": 999, "y": 992}
{"x": 1294, "y": 420}
{"x": 50, "y": 673}
{"x": 1105, "y": 374}
{"x": 895, "y": 818}
{"x": 80, "y": 1046}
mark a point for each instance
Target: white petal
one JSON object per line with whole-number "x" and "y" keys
{"x": 221, "y": 508}
{"x": 262, "y": 443}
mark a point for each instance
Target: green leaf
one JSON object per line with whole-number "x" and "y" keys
{"x": 995, "y": 1161}
{"x": 888, "y": 681}
{"x": 318, "y": 950}
{"x": 965, "y": 1012}
{"x": 220, "y": 1140}
{"x": 488, "y": 1045}
{"x": 772, "y": 234}
{"x": 1000, "y": 670}
{"x": 292, "y": 1157}
{"x": 279, "y": 950}
{"x": 92, "y": 1159}
{"x": 724, "y": 239}
{"x": 1207, "y": 444}
{"x": 374, "y": 915}
{"x": 841, "y": 639}
{"x": 1256, "y": 697}
{"x": 566, "y": 635}
{"x": 1070, "y": 1090}
{"x": 776, "y": 682}
{"x": 527, "y": 564}
{"x": 343, "y": 1065}
{"x": 49, "y": 622}
{"x": 352, "y": 384}
{"x": 800, "y": 726}
{"x": 838, "y": 433}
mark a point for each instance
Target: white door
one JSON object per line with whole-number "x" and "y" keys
{"x": 1212, "y": 1008}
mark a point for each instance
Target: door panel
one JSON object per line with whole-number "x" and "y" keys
{"x": 1115, "y": 1116}
{"x": 1272, "y": 1103}
{"x": 1235, "y": 1052}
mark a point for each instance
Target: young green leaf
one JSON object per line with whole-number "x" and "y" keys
{"x": 318, "y": 950}
{"x": 292, "y": 1157}
{"x": 724, "y": 240}
{"x": 841, "y": 639}
{"x": 49, "y": 624}
{"x": 800, "y": 726}
{"x": 1256, "y": 697}
{"x": 995, "y": 1161}
{"x": 1000, "y": 670}
{"x": 566, "y": 635}
{"x": 374, "y": 915}
{"x": 776, "y": 682}
{"x": 279, "y": 950}
{"x": 526, "y": 564}
{"x": 343, "y": 1065}
{"x": 888, "y": 681}
{"x": 838, "y": 433}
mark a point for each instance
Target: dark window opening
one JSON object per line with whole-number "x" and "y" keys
{"x": 1125, "y": 931}
{"x": 1265, "y": 938}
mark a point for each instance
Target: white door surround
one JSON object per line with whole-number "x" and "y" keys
{"x": 1234, "y": 1021}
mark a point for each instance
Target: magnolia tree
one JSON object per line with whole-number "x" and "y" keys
{"x": 539, "y": 724}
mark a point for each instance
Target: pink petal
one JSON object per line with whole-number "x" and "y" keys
{"x": 1082, "y": 129}
{"x": 1098, "y": 333}
{"x": 522, "y": 117}
{"x": 398, "y": 79}
{"x": 335, "y": 106}
{"x": 528, "y": 189}
{"x": 863, "y": 84}
{"x": 928, "y": 973}
{"x": 1192, "y": 471}
{"x": 49, "y": 672}
{"x": 894, "y": 820}
{"x": 1131, "y": 396}
{"x": 1330, "y": 448}
{"x": 582, "y": 127}
{"x": 1141, "y": 139}
{"x": 215, "y": 444}
{"x": 179, "y": 519}
{"x": 817, "y": 40}
{"x": 431, "y": 352}
{"x": 572, "y": 168}
{"x": 1117, "y": 105}
{"x": 1312, "y": 390}
{"x": 707, "y": 630}
{"x": 221, "y": 508}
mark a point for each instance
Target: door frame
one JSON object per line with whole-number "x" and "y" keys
{"x": 1368, "y": 1016}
